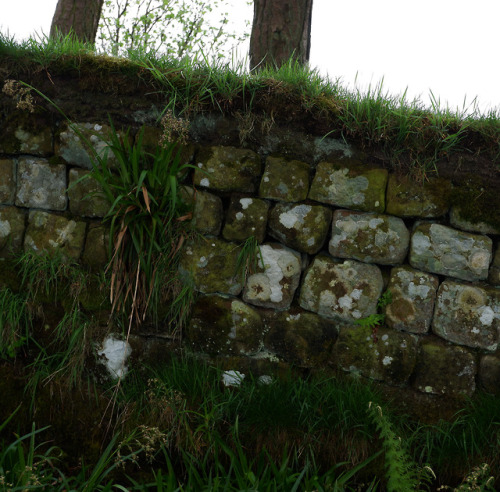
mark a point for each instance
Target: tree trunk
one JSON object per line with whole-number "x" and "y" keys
{"x": 281, "y": 29}
{"x": 78, "y": 16}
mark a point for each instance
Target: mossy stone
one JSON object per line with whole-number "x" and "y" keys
{"x": 96, "y": 252}
{"x": 12, "y": 226}
{"x": 246, "y": 217}
{"x": 7, "y": 181}
{"x": 86, "y": 197}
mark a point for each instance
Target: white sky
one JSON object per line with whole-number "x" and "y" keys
{"x": 447, "y": 46}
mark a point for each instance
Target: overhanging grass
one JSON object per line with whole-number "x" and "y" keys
{"x": 373, "y": 118}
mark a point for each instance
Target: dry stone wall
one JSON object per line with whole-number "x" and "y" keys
{"x": 334, "y": 234}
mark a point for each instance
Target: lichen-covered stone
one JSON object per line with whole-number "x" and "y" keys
{"x": 410, "y": 198}
{"x": 50, "y": 233}
{"x": 465, "y": 225}
{"x": 7, "y": 181}
{"x": 285, "y": 180}
{"x": 440, "y": 249}
{"x": 40, "y": 184}
{"x": 75, "y": 151}
{"x": 227, "y": 169}
{"x": 300, "y": 337}
{"x": 86, "y": 197}
{"x": 302, "y": 227}
{"x": 95, "y": 254}
{"x": 211, "y": 264}
{"x": 489, "y": 373}
{"x": 345, "y": 291}
{"x": 246, "y": 217}
{"x": 12, "y": 225}
{"x": 389, "y": 356}
{"x": 206, "y": 209}
{"x": 276, "y": 280}
{"x": 349, "y": 186}
{"x": 413, "y": 296}
{"x": 444, "y": 369}
{"x": 29, "y": 142}
{"x": 494, "y": 273}
{"x": 224, "y": 326}
{"x": 468, "y": 314}
{"x": 368, "y": 237}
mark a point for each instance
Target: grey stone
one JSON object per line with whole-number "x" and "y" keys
{"x": 467, "y": 314}
{"x": 39, "y": 144}
{"x": 246, "y": 217}
{"x": 302, "y": 227}
{"x": 95, "y": 254}
{"x": 86, "y": 197}
{"x": 494, "y": 273}
{"x": 12, "y": 225}
{"x": 40, "y": 184}
{"x": 277, "y": 278}
{"x": 440, "y": 249}
{"x": 372, "y": 238}
{"x": 49, "y": 233}
{"x": 465, "y": 225}
{"x": 349, "y": 186}
{"x": 206, "y": 209}
{"x": 285, "y": 180}
{"x": 413, "y": 296}
{"x": 7, "y": 181}
{"x": 489, "y": 373}
{"x": 388, "y": 356}
{"x": 227, "y": 169}
{"x": 445, "y": 370}
{"x": 345, "y": 291}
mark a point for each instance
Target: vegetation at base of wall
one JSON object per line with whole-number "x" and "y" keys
{"x": 374, "y": 118}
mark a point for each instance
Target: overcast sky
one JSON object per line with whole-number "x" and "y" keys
{"x": 447, "y": 46}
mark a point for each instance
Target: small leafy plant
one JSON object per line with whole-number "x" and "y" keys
{"x": 249, "y": 258}
{"x": 377, "y": 319}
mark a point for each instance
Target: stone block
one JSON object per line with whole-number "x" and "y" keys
{"x": 368, "y": 237}
{"x": 246, "y": 217}
{"x": 489, "y": 373}
{"x": 95, "y": 254}
{"x": 285, "y": 180}
{"x": 50, "y": 233}
{"x": 86, "y": 197}
{"x": 466, "y": 225}
{"x": 12, "y": 226}
{"x": 7, "y": 181}
{"x": 345, "y": 291}
{"x": 494, "y": 272}
{"x": 468, "y": 314}
{"x": 206, "y": 209}
{"x": 445, "y": 370}
{"x": 40, "y": 184}
{"x": 301, "y": 227}
{"x": 224, "y": 326}
{"x": 389, "y": 356}
{"x": 441, "y": 249}
{"x": 349, "y": 186}
{"x": 413, "y": 297}
{"x": 277, "y": 278}
{"x": 227, "y": 169}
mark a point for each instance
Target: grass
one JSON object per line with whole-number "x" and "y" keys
{"x": 402, "y": 129}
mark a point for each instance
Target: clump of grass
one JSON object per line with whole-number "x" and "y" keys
{"x": 15, "y": 322}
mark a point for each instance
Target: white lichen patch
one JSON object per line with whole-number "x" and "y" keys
{"x": 5, "y": 228}
{"x": 245, "y": 202}
{"x": 115, "y": 352}
{"x": 239, "y": 216}
{"x": 205, "y": 182}
{"x": 232, "y": 378}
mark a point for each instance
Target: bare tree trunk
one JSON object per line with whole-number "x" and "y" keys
{"x": 281, "y": 28}
{"x": 78, "y": 16}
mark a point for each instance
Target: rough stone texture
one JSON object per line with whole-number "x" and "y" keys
{"x": 465, "y": 225}
{"x": 440, "y": 249}
{"x": 206, "y": 208}
{"x": 372, "y": 238}
{"x": 409, "y": 198}
{"x": 211, "y": 264}
{"x": 7, "y": 181}
{"x": 275, "y": 282}
{"x": 349, "y": 186}
{"x": 227, "y": 169}
{"x": 40, "y": 184}
{"x": 444, "y": 369}
{"x": 39, "y": 144}
{"x": 302, "y": 227}
{"x": 489, "y": 373}
{"x": 494, "y": 273}
{"x": 413, "y": 296}
{"x": 95, "y": 254}
{"x": 468, "y": 314}
{"x": 389, "y": 357}
{"x": 71, "y": 148}
{"x": 12, "y": 227}
{"x": 346, "y": 291}
{"x": 245, "y": 217}
{"x": 50, "y": 233}
{"x": 85, "y": 194}
{"x": 285, "y": 180}
{"x": 224, "y": 326}
{"x": 299, "y": 337}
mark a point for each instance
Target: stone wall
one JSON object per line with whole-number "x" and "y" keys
{"x": 335, "y": 231}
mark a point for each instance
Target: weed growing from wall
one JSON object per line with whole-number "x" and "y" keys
{"x": 15, "y": 322}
